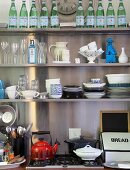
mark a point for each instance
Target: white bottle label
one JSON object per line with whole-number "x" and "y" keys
{"x": 32, "y": 56}
{"x": 54, "y": 20}
{"x": 33, "y": 21}
{"x": 121, "y": 20}
{"x": 90, "y": 21}
{"x": 110, "y": 20}
{"x": 44, "y": 9}
{"x": 80, "y": 8}
{"x": 23, "y": 21}
{"x": 80, "y": 20}
{"x": 44, "y": 21}
{"x": 13, "y": 21}
{"x": 100, "y": 21}
{"x": 55, "y": 8}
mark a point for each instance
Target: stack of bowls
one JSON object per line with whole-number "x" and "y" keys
{"x": 94, "y": 89}
{"x": 118, "y": 85}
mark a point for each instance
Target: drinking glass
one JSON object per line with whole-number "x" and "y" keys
{"x": 35, "y": 85}
{"x": 15, "y": 48}
{"x": 41, "y": 52}
{"x": 5, "y": 48}
{"x": 24, "y": 45}
{"x": 23, "y": 82}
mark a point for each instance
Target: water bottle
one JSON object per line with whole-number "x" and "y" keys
{"x": 121, "y": 15}
{"x": 13, "y": 15}
{"x": 44, "y": 19}
{"x": 90, "y": 17}
{"x": 80, "y": 15}
{"x": 110, "y": 16}
{"x": 23, "y": 17}
{"x": 100, "y": 18}
{"x": 54, "y": 15}
{"x": 33, "y": 17}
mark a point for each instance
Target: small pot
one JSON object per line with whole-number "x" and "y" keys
{"x": 80, "y": 143}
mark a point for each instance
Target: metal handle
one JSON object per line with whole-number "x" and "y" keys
{"x": 42, "y": 133}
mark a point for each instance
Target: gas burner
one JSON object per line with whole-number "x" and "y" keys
{"x": 64, "y": 161}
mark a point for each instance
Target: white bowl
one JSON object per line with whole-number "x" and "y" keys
{"x": 118, "y": 78}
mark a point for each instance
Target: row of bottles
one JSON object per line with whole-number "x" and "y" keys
{"x": 32, "y": 17}
{"x": 90, "y": 19}
{"x": 98, "y": 18}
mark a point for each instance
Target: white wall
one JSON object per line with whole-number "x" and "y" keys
{"x": 5, "y": 5}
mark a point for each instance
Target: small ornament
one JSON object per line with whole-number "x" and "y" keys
{"x": 111, "y": 54}
{"x": 123, "y": 57}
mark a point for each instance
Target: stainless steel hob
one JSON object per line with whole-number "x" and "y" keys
{"x": 65, "y": 161}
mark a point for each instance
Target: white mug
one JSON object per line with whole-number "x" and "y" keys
{"x": 29, "y": 94}
{"x": 49, "y": 82}
{"x": 12, "y": 92}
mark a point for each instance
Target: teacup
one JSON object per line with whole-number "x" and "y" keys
{"x": 12, "y": 92}
{"x": 92, "y": 46}
{"x": 29, "y": 94}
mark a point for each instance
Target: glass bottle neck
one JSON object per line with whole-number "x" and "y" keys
{"x": 33, "y": 2}
{"x": 43, "y": 2}
{"x": 90, "y": 3}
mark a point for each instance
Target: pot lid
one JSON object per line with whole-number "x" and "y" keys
{"x": 88, "y": 149}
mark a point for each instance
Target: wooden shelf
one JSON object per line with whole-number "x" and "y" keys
{"x": 68, "y": 65}
{"x": 15, "y": 31}
{"x": 67, "y": 100}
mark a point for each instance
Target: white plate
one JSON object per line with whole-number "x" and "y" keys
{"x": 118, "y": 165}
{"x": 4, "y": 165}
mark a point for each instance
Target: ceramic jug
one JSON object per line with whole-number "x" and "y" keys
{"x": 123, "y": 57}
{"x": 59, "y": 47}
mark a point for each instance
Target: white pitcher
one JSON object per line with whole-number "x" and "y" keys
{"x": 59, "y": 47}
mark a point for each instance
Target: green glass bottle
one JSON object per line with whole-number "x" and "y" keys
{"x": 23, "y": 16}
{"x": 33, "y": 16}
{"x": 110, "y": 15}
{"x": 44, "y": 20}
{"x": 80, "y": 15}
{"x": 90, "y": 17}
{"x": 13, "y": 15}
{"x": 121, "y": 15}
{"x": 54, "y": 15}
{"x": 100, "y": 18}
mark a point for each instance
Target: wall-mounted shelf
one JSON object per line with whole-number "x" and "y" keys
{"x": 31, "y": 31}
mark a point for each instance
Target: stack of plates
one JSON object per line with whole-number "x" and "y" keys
{"x": 94, "y": 90}
{"x": 118, "y": 90}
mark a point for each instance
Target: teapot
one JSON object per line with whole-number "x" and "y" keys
{"x": 42, "y": 150}
{"x": 59, "y": 47}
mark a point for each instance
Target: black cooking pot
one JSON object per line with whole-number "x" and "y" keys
{"x": 72, "y": 92}
{"x": 80, "y": 143}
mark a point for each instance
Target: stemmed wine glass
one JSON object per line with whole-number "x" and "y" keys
{"x": 23, "y": 45}
{"x": 5, "y": 48}
{"x": 15, "y": 47}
